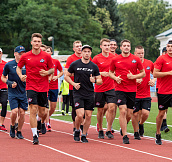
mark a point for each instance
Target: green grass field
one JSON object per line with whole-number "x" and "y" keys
{"x": 150, "y": 128}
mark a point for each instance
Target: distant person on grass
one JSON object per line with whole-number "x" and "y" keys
{"x": 16, "y": 92}
{"x": 85, "y": 74}
{"x": 39, "y": 66}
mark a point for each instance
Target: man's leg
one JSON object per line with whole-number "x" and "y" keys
{"x": 145, "y": 115}
{"x": 100, "y": 118}
{"x": 87, "y": 122}
{"x": 159, "y": 120}
{"x": 135, "y": 120}
{"x": 13, "y": 117}
{"x": 110, "y": 115}
{"x": 79, "y": 117}
{"x": 52, "y": 107}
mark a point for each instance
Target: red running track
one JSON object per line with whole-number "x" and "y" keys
{"x": 59, "y": 145}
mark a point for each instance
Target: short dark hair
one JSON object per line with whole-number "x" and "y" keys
{"x": 49, "y": 47}
{"x": 125, "y": 40}
{"x": 139, "y": 47}
{"x": 36, "y": 35}
{"x": 113, "y": 40}
{"x": 43, "y": 45}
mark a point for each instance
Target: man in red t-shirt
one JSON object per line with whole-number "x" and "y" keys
{"x": 143, "y": 98}
{"x": 53, "y": 88}
{"x": 113, "y": 46}
{"x": 77, "y": 46}
{"x": 3, "y": 94}
{"x": 105, "y": 93}
{"x": 39, "y": 66}
{"x": 163, "y": 70}
{"x": 123, "y": 70}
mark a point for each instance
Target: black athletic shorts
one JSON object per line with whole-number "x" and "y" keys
{"x": 37, "y": 98}
{"x": 82, "y": 102}
{"x": 125, "y": 98}
{"x": 104, "y": 97}
{"x": 3, "y": 95}
{"x": 142, "y": 103}
{"x": 164, "y": 101}
{"x": 71, "y": 98}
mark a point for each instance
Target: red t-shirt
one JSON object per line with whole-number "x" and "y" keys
{"x": 57, "y": 65}
{"x": 34, "y": 63}
{"x": 71, "y": 59}
{"x": 103, "y": 64}
{"x": 164, "y": 64}
{"x": 122, "y": 65}
{"x": 143, "y": 89}
{"x": 2, "y": 84}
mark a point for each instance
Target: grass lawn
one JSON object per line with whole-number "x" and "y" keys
{"x": 150, "y": 128}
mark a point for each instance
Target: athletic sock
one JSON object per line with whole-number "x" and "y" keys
{"x": 83, "y": 135}
{"x": 164, "y": 122}
{"x": 38, "y": 118}
{"x": 34, "y": 131}
{"x": 48, "y": 124}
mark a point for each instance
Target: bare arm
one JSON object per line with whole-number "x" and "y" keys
{"x": 96, "y": 79}
{"x": 19, "y": 72}
{"x": 104, "y": 73}
{"x": 45, "y": 73}
{"x": 114, "y": 77}
{"x": 9, "y": 83}
{"x": 158, "y": 74}
{"x": 136, "y": 76}
{"x": 58, "y": 76}
{"x": 69, "y": 80}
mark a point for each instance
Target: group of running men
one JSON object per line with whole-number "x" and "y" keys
{"x": 106, "y": 81}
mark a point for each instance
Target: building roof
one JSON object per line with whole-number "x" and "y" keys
{"x": 166, "y": 33}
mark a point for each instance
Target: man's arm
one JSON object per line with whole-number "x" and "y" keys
{"x": 69, "y": 80}
{"x": 19, "y": 73}
{"x": 8, "y": 82}
{"x": 54, "y": 78}
{"x": 117, "y": 79}
{"x": 96, "y": 79}
{"x": 136, "y": 76}
{"x": 43, "y": 72}
{"x": 158, "y": 74}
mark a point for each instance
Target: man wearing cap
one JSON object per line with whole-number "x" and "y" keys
{"x": 164, "y": 126}
{"x": 85, "y": 74}
{"x": 16, "y": 92}
{"x": 163, "y": 70}
{"x": 3, "y": 94}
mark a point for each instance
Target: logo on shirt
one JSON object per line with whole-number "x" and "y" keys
{"x": 29, "y": 99}
{"x": 101, "y": 62}
{"x": 119, "y": 101}
{"x": 97, "y": 103}
{"x": 14, "y": 66}
{"x": 167, "y": 62}
{"x": 148, "y": 68}
{"x": 76, "y": 104}
{"x": 161, "y": 106}
{"x": 42, "y": 60}
{"x": 134, "y": 61}
{"x": 29, "y": 58}
{"x": 118, "y": 62}
{"x": 84, "y": 69}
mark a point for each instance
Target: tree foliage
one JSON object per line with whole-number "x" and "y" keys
{"x": 143, "y": 20}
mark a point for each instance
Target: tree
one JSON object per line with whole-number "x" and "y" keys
{"x": 143, "y": 20}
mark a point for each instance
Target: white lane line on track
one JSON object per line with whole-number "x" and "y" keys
{"x": 51, "y": 148}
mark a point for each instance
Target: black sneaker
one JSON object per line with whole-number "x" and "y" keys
{"x": 12, "y": 131}
{"x": 166, "y": 129}
{"x": 19, "y": 135}
{"x": 141, "y": 129}
{"x": 35, "y": 140}
{"x": 77, "y": 135}
{"x": 158, "y": 139}
{"x": 126, "y": 140}
{"x": 121, "y": 132}
{"x": 84, "y": 139}
{"x": 81, "y": 127}
{"x": 136, "y": 136}
{"x": 39, "y": 125}
{"x": 101, "y": 134}
{"x": 109, "y": 134}
{"x": 16, "y": 126}
{"x": 74, "y": 131}
{"x": 43, "y": 128}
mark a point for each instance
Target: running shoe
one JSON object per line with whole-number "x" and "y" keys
{"x": 109, "y": 135}
{"x": 101, "y": 134}
{"x": 35, "y": 140}
{"x": 84, "y": 139}
{"x": 126, "y": 140}
{"x": 2, "y": 127}
{"x": 48, "y": 128}
{"x": 67, "y": 114}
{"x": 77, "y": 135}
{"x": 74, "y": 131}
{"x": 141, "y": 130}
{"x": 158, "y": 139}
{"x": 16, "y": 126}
{"x": 97, "y": 127}
{"x": 63, "y": 112}
{"x": 39, "y": 125}
{"x": 166, "y": 129}
{"x": 12, "y": 131}
{"x": 43, "y": 128}
{"x": 112, "y": 130}
{"x": 121, "y": 132}
{"x": 136, "y": 136}
{"x": 19, "y": 135}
